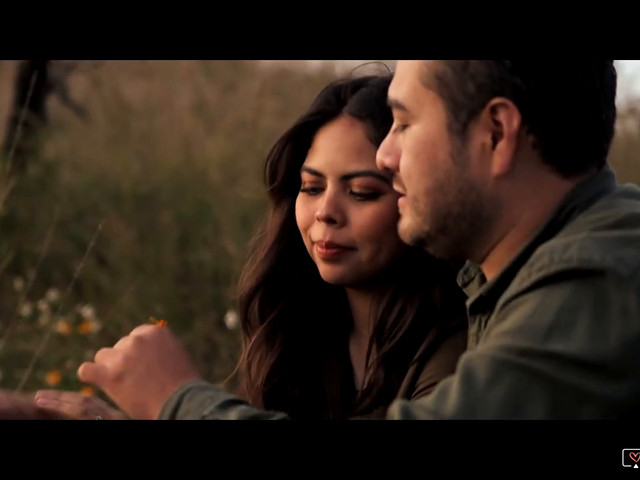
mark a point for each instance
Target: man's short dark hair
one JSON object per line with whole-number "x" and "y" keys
{"x": 567, "y": 106}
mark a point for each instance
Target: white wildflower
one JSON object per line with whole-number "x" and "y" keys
{"x": 18, "y": 284}
{"x": 87, "y": 312}
{"x": 26, "y": 309}
{"x": 43, "y": 306}
{"x": 231, "y": 319}
{"x": 52, "y": 295}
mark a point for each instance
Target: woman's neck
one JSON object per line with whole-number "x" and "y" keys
{"x": 360, "y": 302}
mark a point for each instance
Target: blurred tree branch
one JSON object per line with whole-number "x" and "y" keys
{"x": 35, "y": 81}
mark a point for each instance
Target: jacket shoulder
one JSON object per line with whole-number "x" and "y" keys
{"x": 605, "y": 238}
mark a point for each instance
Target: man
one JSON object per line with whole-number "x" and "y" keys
{"x": 502, "y": 163}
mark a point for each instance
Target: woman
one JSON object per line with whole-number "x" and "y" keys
{"x": 339, "y": 317}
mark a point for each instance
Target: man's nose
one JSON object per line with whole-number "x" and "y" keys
{"x": 387, "y": 156}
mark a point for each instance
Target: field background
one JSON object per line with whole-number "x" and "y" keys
{"x": 144, "y": 207}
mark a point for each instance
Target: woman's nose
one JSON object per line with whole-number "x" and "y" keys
{"x": 330, "y": 209}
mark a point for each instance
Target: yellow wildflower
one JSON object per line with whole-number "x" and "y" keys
{"x": 87, "y": 390}
{"x": 89, "y": 325}
{"x": 159, "y": 323}
{"x": 63, "y": 327}
{"x": 85, "y": 327}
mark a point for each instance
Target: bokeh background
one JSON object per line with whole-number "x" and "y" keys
{"x": 134, "y": 193}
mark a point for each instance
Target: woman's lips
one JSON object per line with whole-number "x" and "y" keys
{"x": 330, "y": 250}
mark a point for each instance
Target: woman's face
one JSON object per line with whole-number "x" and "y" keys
{"x": 346, "y": 209}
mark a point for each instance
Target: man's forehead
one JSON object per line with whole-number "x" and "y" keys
{"x": 407, "y": 68}
{"x": 410, "y": 71}
{"x": 407, "y": 82}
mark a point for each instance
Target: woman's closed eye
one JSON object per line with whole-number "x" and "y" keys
{"x": 364, "y": 195}
{"x": 311, "y": 189}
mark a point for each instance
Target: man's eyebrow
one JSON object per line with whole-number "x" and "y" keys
{"x": 348, "y": 176}
{"x": 396, "y": 105}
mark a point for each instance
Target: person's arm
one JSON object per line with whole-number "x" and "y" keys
{"x": 564, "y": 349}
{"x": 200, "y": 400}
{"x": 149, "y": 375}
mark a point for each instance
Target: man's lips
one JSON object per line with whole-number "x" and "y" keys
{"x": 399, "y": 190}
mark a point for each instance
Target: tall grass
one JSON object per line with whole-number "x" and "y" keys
{"x": 169, "y": 164}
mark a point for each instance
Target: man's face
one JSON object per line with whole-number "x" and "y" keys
{"x": 444, "y": 204}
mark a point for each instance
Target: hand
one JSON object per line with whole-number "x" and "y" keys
{"x": 17, "y": 406}
{"x": 141, "y": 371}
{"x": 76, "y": 406}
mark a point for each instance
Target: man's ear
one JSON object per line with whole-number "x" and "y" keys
{"x": 503, "y": 122}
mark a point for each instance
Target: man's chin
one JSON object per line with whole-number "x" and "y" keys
{"x": 421, "y": 239}
{"x": 408, "y": 234}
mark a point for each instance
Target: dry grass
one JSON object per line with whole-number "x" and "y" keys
{"x": 170, "y": 164}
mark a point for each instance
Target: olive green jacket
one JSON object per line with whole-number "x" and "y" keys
{"x": 556, "y": 335}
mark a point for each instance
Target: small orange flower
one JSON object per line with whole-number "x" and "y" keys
{"x": 53, "y": 378}
{"x": 87, "y": 390}
{"x": 63, "y": 327}
{"x": 85, "y": 327}
{"x": 159, "y": 323}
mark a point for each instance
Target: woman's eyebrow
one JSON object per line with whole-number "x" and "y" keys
{"x": 349, "y": 176}
{"x": 311, "y": 171}
{"x": 366, "y": 173}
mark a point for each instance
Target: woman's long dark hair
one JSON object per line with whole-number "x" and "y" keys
{"x": 295, "y": 325}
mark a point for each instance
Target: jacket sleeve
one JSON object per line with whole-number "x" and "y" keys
{"x": 566, "y": 348}
{"x": 200, "y": 400}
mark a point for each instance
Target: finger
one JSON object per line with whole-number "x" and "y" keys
{"x": 103, "y": 355}
{"x": 60, "y": 396}
{"x": 137, "y": 333}
{"x": 68, "y": 410}
{"x": 144, "y": 329}
{"x": 94, "y": 373}
{"x": 47, "y": 394}
{"x": 78, "y": 406}
{"x": 122, "y": 343}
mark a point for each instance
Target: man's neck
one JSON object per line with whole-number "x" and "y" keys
{"x": 528, "y": 207}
